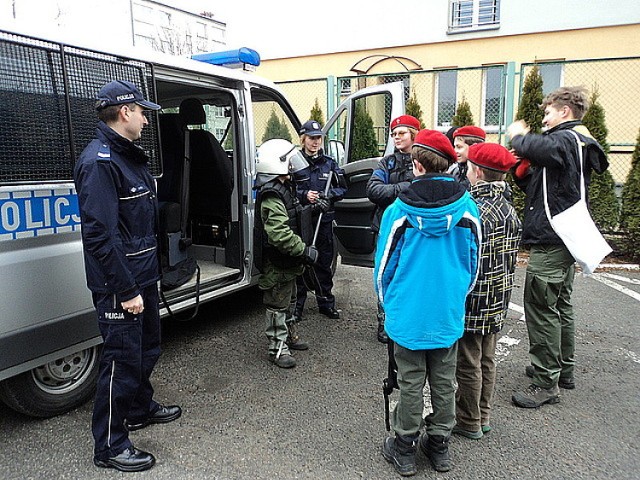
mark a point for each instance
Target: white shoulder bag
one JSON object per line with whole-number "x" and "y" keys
{"x": 575, "y": 226}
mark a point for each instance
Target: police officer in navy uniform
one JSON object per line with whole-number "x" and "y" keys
{"x": 311, "y": 184}
{"x": 118, "y": 209}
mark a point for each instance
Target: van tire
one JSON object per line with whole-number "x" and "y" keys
{"x": 54, "y": 388}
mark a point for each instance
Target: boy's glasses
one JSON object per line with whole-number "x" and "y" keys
{"x": 399, "y": 133}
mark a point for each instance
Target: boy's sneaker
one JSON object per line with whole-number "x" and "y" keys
{"x": 535, "y": 396}
{"x": 568, "y": 383}
{"x": 401, "y": 452}
{"x": 468, "y": 433}
{"x": 436, "y": 448}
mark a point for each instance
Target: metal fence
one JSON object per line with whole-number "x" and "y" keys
{"x": 492, "y": 93}
{"x": 616, "y": 82}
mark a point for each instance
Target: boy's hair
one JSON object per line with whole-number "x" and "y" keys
{"x": 430, "y": 161}
{"x": 470, "y": 140}
{"x": 576, "y": 98}
{"x": 490, "y": 175}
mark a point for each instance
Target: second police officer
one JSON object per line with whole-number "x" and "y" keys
{"x": 311, "y": 184}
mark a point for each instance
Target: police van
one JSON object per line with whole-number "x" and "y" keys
{"x": 202, "y": 148}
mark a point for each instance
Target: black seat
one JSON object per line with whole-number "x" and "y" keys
{"x": 211, "y": 179}
{"x": 172, "y": 138}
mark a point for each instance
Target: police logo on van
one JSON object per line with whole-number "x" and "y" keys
{"x": 34, "y": 213}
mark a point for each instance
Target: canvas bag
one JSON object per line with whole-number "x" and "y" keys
{"x": 575, "y": 227}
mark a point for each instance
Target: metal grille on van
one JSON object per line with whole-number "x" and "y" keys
{"x": 47, "y": 106}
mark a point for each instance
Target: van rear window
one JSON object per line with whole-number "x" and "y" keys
{"x": 47, "y": 106}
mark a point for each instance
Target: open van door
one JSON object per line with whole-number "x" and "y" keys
{"x": 357, "y": 148}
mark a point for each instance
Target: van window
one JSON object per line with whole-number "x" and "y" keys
{"x": 47, "y": 106}
{"x": 271, "y": 119}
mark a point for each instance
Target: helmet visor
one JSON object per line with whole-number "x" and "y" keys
{"x": 297, "y": 162}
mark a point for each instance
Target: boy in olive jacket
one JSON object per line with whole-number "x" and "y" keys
{"x": 283, "y": 250}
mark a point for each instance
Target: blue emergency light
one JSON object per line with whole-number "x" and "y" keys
{"x": 243, "y": 57}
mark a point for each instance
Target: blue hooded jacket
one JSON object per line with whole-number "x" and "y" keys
{"x": 427, "y": 262}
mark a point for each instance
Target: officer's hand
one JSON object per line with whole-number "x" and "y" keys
{"x": 310, "y": 255}
{"x": 312, "y": 196}
{"x": 135, "y": 305}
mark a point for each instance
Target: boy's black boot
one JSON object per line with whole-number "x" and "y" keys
{"x": 401, "y": 452}
{"x": 436, "y": 448}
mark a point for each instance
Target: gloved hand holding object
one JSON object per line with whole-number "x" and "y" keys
{"x": 310, "y": 255}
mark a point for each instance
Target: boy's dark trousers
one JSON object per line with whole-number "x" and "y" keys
{"x": 130, "y": 351}
{"x": 549, "y": 313}
{"x": 476, "y": 375}
{"x": 438, "y": 366}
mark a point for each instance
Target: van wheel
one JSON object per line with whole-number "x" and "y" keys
{"x": 54, "y": 388}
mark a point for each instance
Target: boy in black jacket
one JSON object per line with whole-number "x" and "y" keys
{"x": 550, "y": 271}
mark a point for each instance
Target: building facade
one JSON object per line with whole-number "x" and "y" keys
{"x": 149, "y": 24}
{"x": 480, "y": 51}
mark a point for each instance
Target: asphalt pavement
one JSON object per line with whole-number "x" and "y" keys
{"x": 246, "y": 419}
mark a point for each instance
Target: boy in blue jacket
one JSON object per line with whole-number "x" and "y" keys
{"x": 426, "y": 263}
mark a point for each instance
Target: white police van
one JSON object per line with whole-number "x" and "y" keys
{"x": 202, "y": 146}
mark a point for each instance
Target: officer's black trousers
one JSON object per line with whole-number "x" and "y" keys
{"x": 130, "y": 351}
{"x": 324, "y": 244}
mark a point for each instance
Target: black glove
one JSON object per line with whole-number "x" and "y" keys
{"x": 310, "y": 255}
{"x": 322, "y": 204}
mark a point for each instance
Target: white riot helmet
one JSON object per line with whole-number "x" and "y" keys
{"x": 277, "y": 157}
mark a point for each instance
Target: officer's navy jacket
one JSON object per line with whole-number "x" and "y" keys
{"x": 118, "y": 209}
{"x": 427, "y": 262}
{"x": 315, "y": 178}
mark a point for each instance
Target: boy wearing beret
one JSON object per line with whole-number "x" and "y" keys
{"x": 426, "y": 264}
{"x": 392, "y": 175}
{"x": 463, "y": 138}
{"x": 488, "y": 302}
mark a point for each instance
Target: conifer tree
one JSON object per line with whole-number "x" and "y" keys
{"x": 630, "y": 213}
{"x": 365, "y": 144}
{"x": 316, "y": 113}
{"x": 602, "y": 198}
{"x": 532, "y": 95}
{"x": 276, "y": 129}
{"x": 413, "y": 108}
{"x": 528, "y": 110}
{"x": 463, "y": 114}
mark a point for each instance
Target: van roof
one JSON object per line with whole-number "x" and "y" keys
{"x": 156, "y": 58}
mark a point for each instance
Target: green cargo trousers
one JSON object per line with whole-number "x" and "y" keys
{"x": 549, "y": 313}
{"x": 278, "y": 300}
{"x": 414, "y": 368}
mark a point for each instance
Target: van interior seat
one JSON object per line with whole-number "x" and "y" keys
{"x": 211, "y": 178}
{"x": 172, "y": 138}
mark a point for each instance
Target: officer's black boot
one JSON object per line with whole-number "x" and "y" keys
{"x": 401, "y": 452}
{"x": 436, "y": 448}
{"x": 382, "y": 335}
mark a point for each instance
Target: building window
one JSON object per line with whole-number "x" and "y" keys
{"x": 201, "y": 30}
{"x": 345, "y": 86}
{"x": 551, "y": 74}
{"x": 447, "y": 86}
{"x": 492, "y": 97}
{"x": 467, "y": 15}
